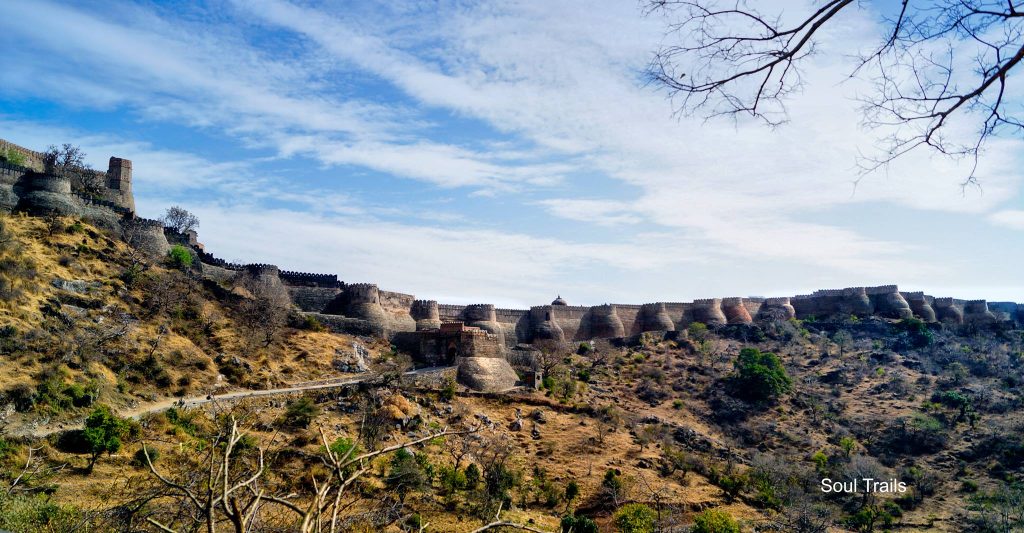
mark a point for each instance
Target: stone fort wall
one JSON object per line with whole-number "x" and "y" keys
{"x": 30, "y": 188}
{"x": 366, "y": 308}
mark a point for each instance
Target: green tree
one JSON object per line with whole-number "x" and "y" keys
{"x": 104, "y": 433}
{"x": 848, "y": 444}
{"x": 572, "y": 491}
{"x": 759, "y": 376}
{"x": 472, "y": 476}
{"x": 179, "y": 257}
{"x": 635, "y": 518}
{"x": 452, "y": 479}
{"x": 715, "y": 521}
{"x": 611, "y": 486}
{"x": 697, "y": 331}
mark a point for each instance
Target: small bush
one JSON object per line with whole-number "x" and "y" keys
{"x": 715, "y": 521}
{"x": 179, "y": 257}
{"x": 300, "y": 413}
{"x": 448, "y": 391}
{"x": 139, "y": 459}
{"x": 578, "y": 524}
{"x": 311, "y": 323}
{"x": 635, "y": 518}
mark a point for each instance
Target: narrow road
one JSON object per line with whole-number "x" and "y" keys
{"x": 196, "y": 401}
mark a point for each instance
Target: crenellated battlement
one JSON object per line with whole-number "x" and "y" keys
{"x": 309, "y": 279}
{"x": 262, "y": 269}
{"x": 881, "y": 289}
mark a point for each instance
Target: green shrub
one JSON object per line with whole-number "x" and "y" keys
{"x": 311, "y": 323}
{"x": 13, "y": 157}
{"x": 139, "y": 459}
{"x": 697, "y": 331}
{"x": 413, "y": 523}
{"x": 300, "y": 413}
{"x": 635, "y": 518}
{"x": 759, "y": 376}
{"x": 179, "y": 257}
{"x": 954, "y": 400}
{"x": 7, "y": 449}
{"x": 448, "y": 391}
{"x": 578, "y": 524}
{"x": 715, "y": 521}
{"x": 969, "y": 485}
{"x": 183, "y": 420}
{"x": 452, "y": 479}
{"x": 407, "y": 473}
{"x": 131, "y": 275}
{"x": 36, "y": 514}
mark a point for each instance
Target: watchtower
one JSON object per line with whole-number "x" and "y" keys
{"x": 119, "y": 181}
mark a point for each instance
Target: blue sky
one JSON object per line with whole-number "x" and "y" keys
{"x": 495, "y": 152}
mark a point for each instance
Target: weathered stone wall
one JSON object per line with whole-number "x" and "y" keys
{"x": 313, "y": 299}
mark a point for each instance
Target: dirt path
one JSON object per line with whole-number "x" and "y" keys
{"x": 45, "y": 430}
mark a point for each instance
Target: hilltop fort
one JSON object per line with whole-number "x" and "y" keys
{"x": 477, "y": 337}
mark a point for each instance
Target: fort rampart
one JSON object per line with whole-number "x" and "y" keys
{"x": 365, "y": 308}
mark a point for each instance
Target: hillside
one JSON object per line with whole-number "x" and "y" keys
{"x": 675, "y": 422}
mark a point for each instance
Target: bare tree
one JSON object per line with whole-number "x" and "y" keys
{"x": 726, "y": 57}
{"x": 265, "y": 309}
{"x": 225, "y": 492}
{"x": 180, "y": 219}
{"x": 65, "y": 159}
{"x": 552, "y": 353}
{"x": 69, "y": 160}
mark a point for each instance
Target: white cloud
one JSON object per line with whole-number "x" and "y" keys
{"x": 1010, "y": 218}
{"x": 559, "y": 83}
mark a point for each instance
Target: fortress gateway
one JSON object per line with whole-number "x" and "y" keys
{"x": 476, "y": 337}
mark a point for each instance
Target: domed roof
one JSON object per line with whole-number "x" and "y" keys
{"x": 559, "y": 301}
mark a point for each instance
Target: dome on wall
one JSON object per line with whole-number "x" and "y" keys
{"x": 559, "y": 301}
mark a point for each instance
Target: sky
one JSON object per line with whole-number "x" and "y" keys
{"x": 497, "y": 152}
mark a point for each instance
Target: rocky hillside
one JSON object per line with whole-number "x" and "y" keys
{"x": 727, "y": 429}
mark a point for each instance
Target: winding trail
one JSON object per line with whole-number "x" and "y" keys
{"x": 45, "y": 430}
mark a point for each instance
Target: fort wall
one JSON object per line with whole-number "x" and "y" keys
{"x": 365, "y": 308}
